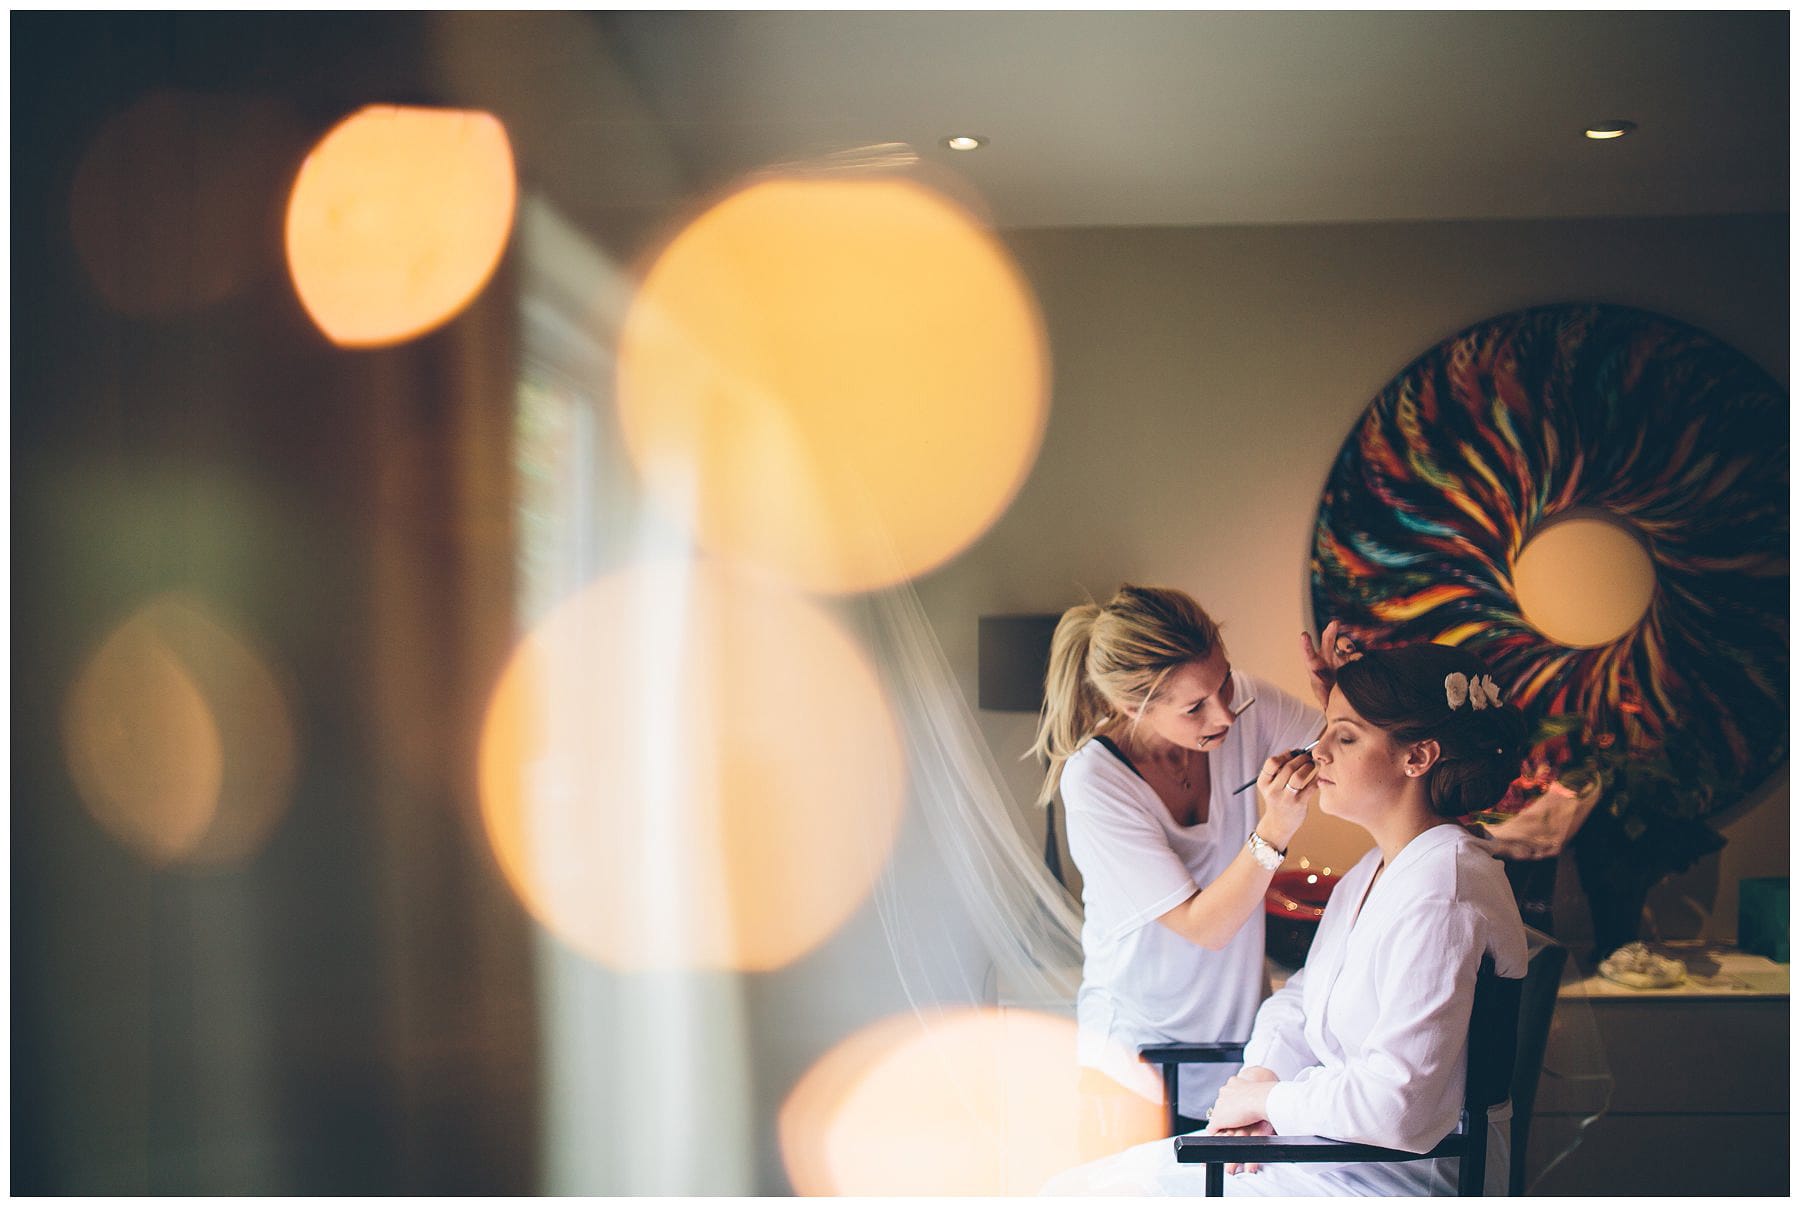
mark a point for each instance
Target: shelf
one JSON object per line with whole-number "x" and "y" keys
{"x": 1713, "y": 972}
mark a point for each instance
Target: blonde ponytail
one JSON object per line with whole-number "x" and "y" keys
{"x": 1072, "y": 710}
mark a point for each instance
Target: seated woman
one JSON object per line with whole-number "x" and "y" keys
{"x": 1368, "y": 1042}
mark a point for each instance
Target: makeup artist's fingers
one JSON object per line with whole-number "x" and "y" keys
{"x": 1277, "y": 784}
{"x": 1285, "y": 794}
{"x": 1273, "y": 765}
{"x": 1323, "y": 660}
{"x": 1320, "y": 674}
{"x": 1296, "y": 773}
{"x": 1341, "y": 646}
{"x": 1331, "y": 643}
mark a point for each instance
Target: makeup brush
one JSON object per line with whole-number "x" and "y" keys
{"x": 1302, "y": 750}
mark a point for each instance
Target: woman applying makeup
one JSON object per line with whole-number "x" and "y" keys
{"x": 1149, "y": 732}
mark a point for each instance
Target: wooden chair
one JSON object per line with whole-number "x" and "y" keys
{"x": 1537, "y": 1006}
{"x": 1170, "y": 1057}
{"x": 1508, "y": 1029}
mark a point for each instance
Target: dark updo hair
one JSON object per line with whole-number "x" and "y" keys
{"x": 1403, "y": 692}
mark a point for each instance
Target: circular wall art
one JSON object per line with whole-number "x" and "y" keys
{"x": 1527, "y": 422}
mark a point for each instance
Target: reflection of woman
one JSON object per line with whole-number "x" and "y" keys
{"x": 1369, "y": 1041}
{"x": 1149, "y": 730}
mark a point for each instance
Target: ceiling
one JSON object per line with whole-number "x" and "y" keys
{"x": 1182, "y": 118}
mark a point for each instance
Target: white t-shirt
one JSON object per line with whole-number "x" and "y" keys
{"x": 1142, "y": 983}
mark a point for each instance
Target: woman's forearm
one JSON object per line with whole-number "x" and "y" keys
{"x": 1217, "y": 912}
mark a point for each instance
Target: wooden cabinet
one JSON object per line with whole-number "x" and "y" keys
{"x": 1700, "y": 1085}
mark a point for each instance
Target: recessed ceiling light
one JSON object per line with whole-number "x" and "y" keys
{"x": 965, "y": 142}
{"x": 1618, "y": 129}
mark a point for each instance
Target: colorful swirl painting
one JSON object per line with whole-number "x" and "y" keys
{"x": 1523, "y": 418}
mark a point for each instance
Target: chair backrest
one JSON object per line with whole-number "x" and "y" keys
{"x": 1508, "y": 1030}
{"x": 1493, "y": 1038}
{"x": 1493, "y": 1044}
{"x": 1537, "y": 1005}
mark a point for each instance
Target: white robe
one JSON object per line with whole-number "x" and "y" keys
{"x": 1370, "y": 1038}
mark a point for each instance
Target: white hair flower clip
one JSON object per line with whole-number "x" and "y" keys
{"x": 1456, "y": 689}
{"x": 1479, "y": 690}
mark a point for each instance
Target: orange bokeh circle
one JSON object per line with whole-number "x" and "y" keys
{"x": 842, "y": 380}
{"x": 179, "y": 737}
{"x": 973, "y": 1101}
{"x": 397, "y": 220}
{"x": 686, "y": 766}
{"x": 169, "y": 204}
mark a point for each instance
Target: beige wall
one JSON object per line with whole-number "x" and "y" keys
{"x": 1205, "y": 378}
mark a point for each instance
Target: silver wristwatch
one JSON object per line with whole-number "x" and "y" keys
{"x": 1267, "y": 855}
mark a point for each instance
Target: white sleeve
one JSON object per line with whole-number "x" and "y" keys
{"x": 1288, "y": 723}
{"x": 1278, "y": 1040}
{"x": 1121, "y": 852}
{"x": 1403, "y": 1087}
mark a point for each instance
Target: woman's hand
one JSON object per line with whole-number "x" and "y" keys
{"x": 1249, "y": 1073}
{"x": 1264, "y": 1128}
{"x": 1286, "y": 784}
{"x": 1242, "y": 1102}
{"x": 1322, "y": 662}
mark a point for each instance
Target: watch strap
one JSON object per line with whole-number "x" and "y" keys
{"x": 1266, "y": 853}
